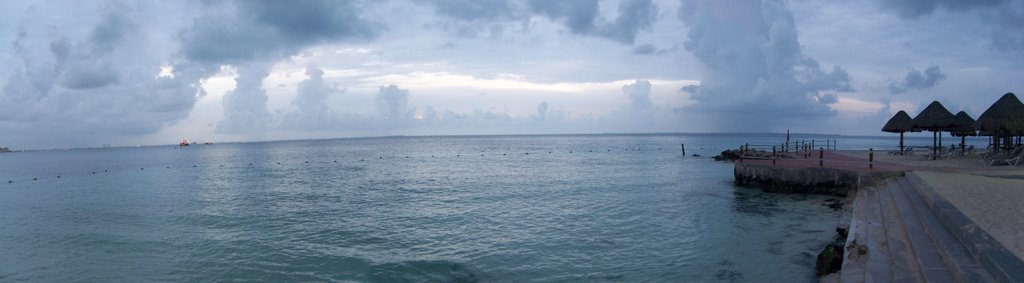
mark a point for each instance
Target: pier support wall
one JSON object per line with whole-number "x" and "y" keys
{"x": 808, "y": 180}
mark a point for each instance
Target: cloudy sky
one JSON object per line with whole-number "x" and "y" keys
{"x": 86, "y": 73}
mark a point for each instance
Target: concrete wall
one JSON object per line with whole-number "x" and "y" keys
{"x": 808, "y": 180}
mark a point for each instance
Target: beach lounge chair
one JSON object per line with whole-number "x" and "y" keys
{"x": 1011, "y": 159}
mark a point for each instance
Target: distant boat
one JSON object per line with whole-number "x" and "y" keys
{"x": 4, "y": 149}
{"x": 208, "y": 142}
{"x": 184, "y": 142}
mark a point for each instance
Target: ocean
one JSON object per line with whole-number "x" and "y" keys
{"x": 409, "y": 209}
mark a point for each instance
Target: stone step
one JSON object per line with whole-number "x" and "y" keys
{"x": 853, "y": 262}
{"x": 877, "y": 267}
{"x": 903, "y": 258}
{"x": 930, "y": 260}
{"x": 937, "y": 242}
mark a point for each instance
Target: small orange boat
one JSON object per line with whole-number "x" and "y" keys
{"x": 184, "y": 142}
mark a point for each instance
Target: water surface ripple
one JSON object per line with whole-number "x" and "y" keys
{"x": 504, "y": 209}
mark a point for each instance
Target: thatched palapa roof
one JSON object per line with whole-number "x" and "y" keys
{"x": 935, "y": 117}
{"x": 1006, "y": 114}
{"x": 965, "y": 125}
{"x": 898, "y": 123}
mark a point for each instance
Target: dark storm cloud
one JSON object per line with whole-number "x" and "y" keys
{"x": 250, "y": 33}
{"x": 578, "y": 15}
{"x": 1006, "y": 18}
{"x": 240, "y": 31}
{"x": 754, "y": 65}
{"x": 917, "y": 80}
{"x": 581, "y": 17}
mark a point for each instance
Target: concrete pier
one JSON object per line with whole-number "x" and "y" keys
{"x": 834, "y": 174}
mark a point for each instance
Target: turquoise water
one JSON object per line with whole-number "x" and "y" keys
{"x": 502, "y": 209}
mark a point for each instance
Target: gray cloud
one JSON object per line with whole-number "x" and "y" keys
{"x": 1008, "y": 34}
{"x": 581, "y": 17}
{"x": 240, "y": 31}
{"x": 645, "y": 49}
{"x": 639, "y": 95}
{"x": 542, "y": 111}
{"x": 828, "y": 98}
{"x": 919, "y": 8}
{"x": 99, "y": 82}
{"x": 473, "y": 10}
{"x": 247, "y": 34}
{"x": 392, "y": 103}
{"x": 245, "y": 107}
{"x": 754, "y": 65}
{"x": 917, "y": 80}
{"x": 313, "y": 111}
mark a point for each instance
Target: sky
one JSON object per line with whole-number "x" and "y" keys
{"x": 88, "y": 73}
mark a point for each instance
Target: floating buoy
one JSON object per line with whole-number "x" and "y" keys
{"x": 481, "y": 155}
{"x": 360, "y": 160}
{"x": 94, "y": 172}
{"x": 335, "y": 161}
{"x": 34, "y": 179}
{"x": 279, "y": 163}
{"x": 406, "y": 156}
{"x": 9, "y": 181}
{"x": 250, "y": 163}
{"x": 307, "y": 161}
{"x": 193, "y": 166}
{"x": 104, "y": 170}
{"x": 58, "y": 176}
{"x": 168, "y": 167}
{"x": 143, "y": 168}
{"x": 570, "y": 151}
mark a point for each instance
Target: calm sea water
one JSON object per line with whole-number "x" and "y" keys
{"x": 505, "y": 209}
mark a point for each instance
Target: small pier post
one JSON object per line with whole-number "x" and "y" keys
{"x": 871, "y": 158}
{"x": 773, "y": 155}
{"x": 821, "y": 157}
{"x": 683, "y": 146}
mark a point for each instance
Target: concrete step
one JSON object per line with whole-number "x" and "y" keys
{"x": 878, "y": 265}
{"x": 931, "y": 260}
{"x": 934, "y": 242}
{"x": 903, "y": 258}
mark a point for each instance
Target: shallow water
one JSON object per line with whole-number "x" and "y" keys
{"x": 506, "y": 208}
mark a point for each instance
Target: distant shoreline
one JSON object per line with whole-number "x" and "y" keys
{"x": 705, "y": 134}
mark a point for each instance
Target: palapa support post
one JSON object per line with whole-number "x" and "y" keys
{"x": 871, "y": 158}
{"x": 821, "y": 157}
